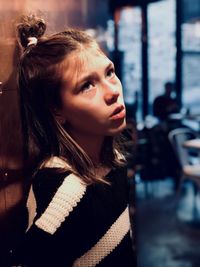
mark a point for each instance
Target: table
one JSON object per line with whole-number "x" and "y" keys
{"x": 193, "y": 143}
{"x": 192, "y": 121}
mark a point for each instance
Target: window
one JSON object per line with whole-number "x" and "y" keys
{"x": 162, "y": 46}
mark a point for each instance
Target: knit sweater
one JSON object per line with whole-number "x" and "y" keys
{"x": 79, "y": 225}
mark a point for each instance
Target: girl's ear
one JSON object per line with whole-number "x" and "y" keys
{"x": 59, "y": 116}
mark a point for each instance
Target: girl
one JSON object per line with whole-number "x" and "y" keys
{"x": 73, "y": 109}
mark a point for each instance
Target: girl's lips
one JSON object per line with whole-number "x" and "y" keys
{"x": 119, "y": 113}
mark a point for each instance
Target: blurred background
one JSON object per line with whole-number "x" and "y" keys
{"x": 155, "y": 45}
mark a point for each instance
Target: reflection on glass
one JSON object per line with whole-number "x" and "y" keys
{"x": 130, "y": 44}
{"x": 191, "y": 61}
{"x": 162, "y": 46}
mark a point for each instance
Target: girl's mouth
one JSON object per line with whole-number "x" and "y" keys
{"x": 119, "y": 113}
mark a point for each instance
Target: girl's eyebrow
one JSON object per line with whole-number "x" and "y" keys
{"x": 88, "y": 77}
{"x": 110, "y": 65}
{"x": 94, "y": 75}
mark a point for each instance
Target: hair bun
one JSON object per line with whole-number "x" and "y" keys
{"x": 30, "y": 26}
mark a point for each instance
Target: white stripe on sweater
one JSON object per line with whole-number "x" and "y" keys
{"x": 110, "y": 240}
{"x": 31, "y": 206}
{"x": 65, "y": 199}
{"x": 53, "y": 162}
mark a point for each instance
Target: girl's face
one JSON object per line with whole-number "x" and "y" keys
{"x": 91, "y": 97}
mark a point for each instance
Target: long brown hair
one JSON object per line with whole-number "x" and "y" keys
{"x": 40, "y": 80}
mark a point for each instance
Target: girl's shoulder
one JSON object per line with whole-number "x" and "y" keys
{"x": 49, "y": 177}
{"x": 54, "y": 185}
{"x": 52, "y": 174}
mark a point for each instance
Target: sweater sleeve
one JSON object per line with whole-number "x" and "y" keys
{"x": 42, "y": 247}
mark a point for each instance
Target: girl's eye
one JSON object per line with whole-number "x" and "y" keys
{"x": 87, "y": 86}
{"x": 111, "y": 72}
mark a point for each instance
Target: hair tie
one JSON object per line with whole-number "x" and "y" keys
{"x": 32, "y": 41}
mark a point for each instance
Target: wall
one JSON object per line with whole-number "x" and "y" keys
{"x": 58, "y": 14}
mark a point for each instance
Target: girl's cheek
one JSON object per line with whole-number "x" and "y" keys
{"x": 90, "y": 93}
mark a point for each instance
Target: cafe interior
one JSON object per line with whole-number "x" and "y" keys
{"x": 155, "y": 46}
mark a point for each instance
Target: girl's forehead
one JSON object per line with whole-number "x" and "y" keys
{"x": 86, "y": 59}
{"x": 90, "y": 55}
{"x": 82, "y": 62}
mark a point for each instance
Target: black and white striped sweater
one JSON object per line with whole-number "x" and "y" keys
{"x": 78, "y": 225}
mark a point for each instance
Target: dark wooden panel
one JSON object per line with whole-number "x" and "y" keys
{"x": 12, "y": 212}
{"x": 58, "y": 15}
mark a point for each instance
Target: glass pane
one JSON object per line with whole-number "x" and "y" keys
{"x": 130, "y": 45}
{"x": 162, "y": 46}
{"x": 191, "y": 62}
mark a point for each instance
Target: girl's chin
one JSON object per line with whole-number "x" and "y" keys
{"x": 117, "y": 130}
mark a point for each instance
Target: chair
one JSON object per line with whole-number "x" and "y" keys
{"x": 190, "y": 165}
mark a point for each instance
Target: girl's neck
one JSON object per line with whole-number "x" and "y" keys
{"x": 92, "y": 145}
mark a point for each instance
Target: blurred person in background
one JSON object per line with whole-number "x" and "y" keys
{"x": 165, "y": 104}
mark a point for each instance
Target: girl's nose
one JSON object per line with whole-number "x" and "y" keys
{"x": 111, "y": 94}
